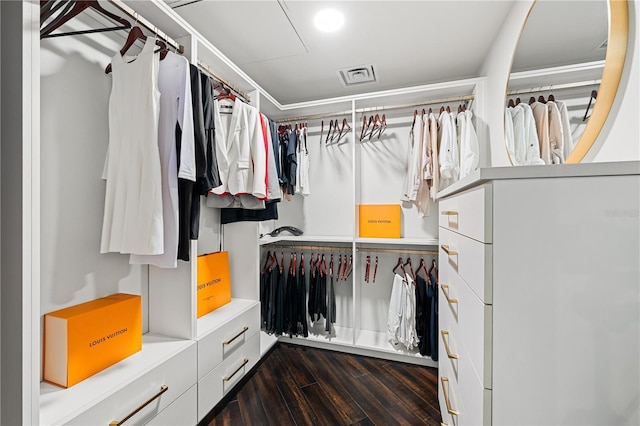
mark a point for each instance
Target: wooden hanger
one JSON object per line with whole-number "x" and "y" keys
{"x": 441, "y": 109}
{"x": 266, "y": 262}
{"x": 511, "y": 103}
{"x": 375, "y": 270}
{"x": 408, "y": 262}
{"x": 225, "y": 93}
{"x": 541, "y": 99}
{"x": 551, "y": 98}
{"x": 401, "y": 265}
{"x": 367, "y": 268}
{"x": 532, "y": 100}
{"x": 134, "y": 35}
{"x": 594, "y": 95}
{"x": 517, "y": 101}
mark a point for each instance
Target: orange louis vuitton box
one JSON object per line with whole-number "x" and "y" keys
{"x": 379, "y": 220}
{"x": 83, "y": 339}
{"x": 214, "y": 282}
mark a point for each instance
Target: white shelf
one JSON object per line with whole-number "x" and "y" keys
{"x": 398, "y": 241}
{"x": 339, "y": 239}
{"x": 339, "y": 336}
{"x": 378, "y": 341}
{"x": 59, "y": 405}
{"x": 225, "y": 313}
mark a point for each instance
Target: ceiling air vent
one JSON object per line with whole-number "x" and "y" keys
{"x": 355, "y": 76}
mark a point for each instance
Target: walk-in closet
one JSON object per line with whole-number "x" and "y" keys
{"x": 438, "y": 201}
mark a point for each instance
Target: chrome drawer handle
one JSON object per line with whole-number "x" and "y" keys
{"x": 244, "y": 330}
{"x": 446, "y": 396}
{"x": 447, "y": 250}
{"x": 449, "y": 213}
{"x": 163, "y": 389}
{"x": 226, "y": 379}
{"x": 445, "y": 290}
{"x": 446, "y": 345}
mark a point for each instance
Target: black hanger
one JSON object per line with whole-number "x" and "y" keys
{"x": 78, "y": 7}
{"x": 594, "y": 95}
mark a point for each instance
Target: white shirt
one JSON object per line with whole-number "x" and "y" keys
{"x": 469, "y": 148}
{"x": 449, "y": 156}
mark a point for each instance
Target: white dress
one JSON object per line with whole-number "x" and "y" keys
{"x": 174, "y": 82}
{"x": 132, "y": 221}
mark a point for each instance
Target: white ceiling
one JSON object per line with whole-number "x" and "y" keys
{"x": 408, "y": 42}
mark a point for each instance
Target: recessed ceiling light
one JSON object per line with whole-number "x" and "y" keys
{"x": 328, "y": 20}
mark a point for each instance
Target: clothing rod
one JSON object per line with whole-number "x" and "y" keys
{"x": 147, "y": 24}
{"x": 554, "y": 87}
{"x": 231, "y": 87}
{"x": 376, "y": 109}
{"x": 303, "y": 247}
{"x": 398, "y": 251}
{"x": 347, "y": 248}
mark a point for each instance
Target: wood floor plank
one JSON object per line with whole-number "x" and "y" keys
{"x": 423, "y": 383}
{"x": 253, "y": 412}
{"x": 229, "y": 416}
{"x": 292, "y": 356}
{"x": 276, "y": 408}
{"x": 364, "y": 422}
{"x": 392, "y": 402}
{"x": 301, "y": 412}
{"x": 324, "y": 364}
{"x": 325, "y": 411}
{"x": 401, "y": 386}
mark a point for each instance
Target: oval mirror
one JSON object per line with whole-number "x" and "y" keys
{"x": 564, "y": 76}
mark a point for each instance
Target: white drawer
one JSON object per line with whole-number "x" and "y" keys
{"x": 475, "y": 333}
{"x": 227, "y": 339}
{"x": 178, "y": 373}
{"x": 216, "y": 384}
{"x": 476, "y": 400}
{"x": 471, "y": 259}
{"x": 448, "y": 397}
{"x": 469, "y": 213}
{"x": 183, "y": 411}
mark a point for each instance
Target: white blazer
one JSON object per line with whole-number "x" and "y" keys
{"x": 241, "y": 150}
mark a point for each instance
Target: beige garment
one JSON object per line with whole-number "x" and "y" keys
{"x": 556, "y": 134}
{"x": 541, "y": 117}
{"x": 423, "y": 201}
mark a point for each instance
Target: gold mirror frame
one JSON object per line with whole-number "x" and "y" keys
{"x": 618, "y": 34}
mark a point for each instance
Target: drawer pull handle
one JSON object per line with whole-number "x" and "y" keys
{"x": 163, "y": 389}
{"x": 449, "y": 252}
{"x": 449, "y": 213}
{"x": 244, "y": 330}
{"x": 446, "y": 396}
{"x": 446, "y": 345}
{"x": 445, "y": 290}
{"x": 226, "y": 379}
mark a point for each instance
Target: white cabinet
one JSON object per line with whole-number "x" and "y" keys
{"x": 545, "y": 330}
{"x": 228, "y": 348}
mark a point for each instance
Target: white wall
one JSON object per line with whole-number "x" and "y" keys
{"x": 618, "y": 139}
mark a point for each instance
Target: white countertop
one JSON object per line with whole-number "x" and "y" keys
{"x": 533, "y": 172}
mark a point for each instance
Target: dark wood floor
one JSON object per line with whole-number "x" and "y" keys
{"x": 297, "y": 385}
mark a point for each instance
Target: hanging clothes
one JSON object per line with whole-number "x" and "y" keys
{"x": 509, "y": 134}
{"x": 469, "y": 148}
{"x": 424, "y": 297}
{"x": 331, "y": 304}
{"x": 412, "y": 172}
{"x": 448, "y": 150}
{"x": 567, "y": 137}
{"x": 300, "y": 318}
{"x": 242, "y": 156}
{"x": 556, "y": 134}
{"x": 212, "y": 174}
{"x": 435, "y": 149}
{"x": 133, "y": 220}
{"x": 289, "y": 163}
{"x": 302, "y": 179}
{"x": 175, "y": 110}
{"x": 433, "y": 323}
{"x": 526, "y": 136}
